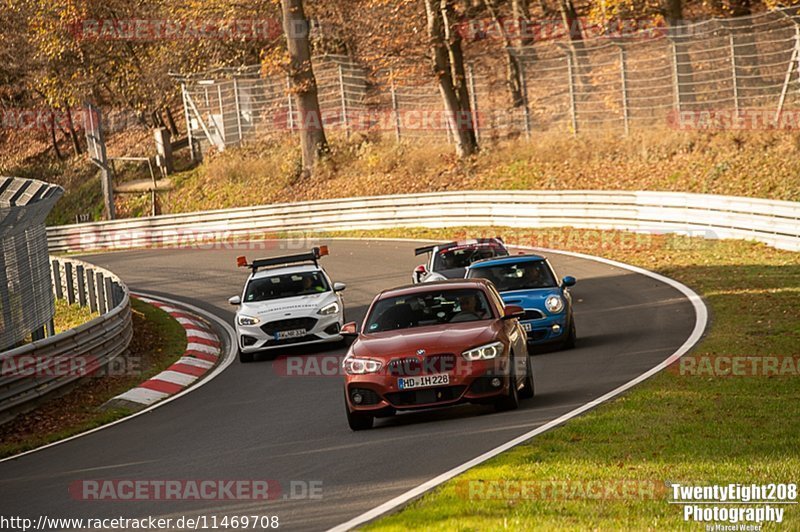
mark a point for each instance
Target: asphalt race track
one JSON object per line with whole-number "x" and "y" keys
{"x": 253, "y": 423}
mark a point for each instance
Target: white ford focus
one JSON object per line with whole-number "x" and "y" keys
{"x": 287, "y": 300}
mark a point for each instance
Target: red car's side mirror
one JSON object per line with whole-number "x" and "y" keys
{"x": 349, "y": 329}
{"x": 513, "y": 311}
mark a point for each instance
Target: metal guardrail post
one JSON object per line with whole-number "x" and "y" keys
{"x": 70, "y": 283}
{"x": 91, "y": 289}
{"x": 79, "y": 270}
{"x": 56, "y": 269}
{"x": 526, "y": 109}
{"x": 101, "y": 293}
{"x": 676, "y": 82}
{"x": 110, "y": 296}
{"x": 473, "y": 103}
{"x": 395, "y": 110}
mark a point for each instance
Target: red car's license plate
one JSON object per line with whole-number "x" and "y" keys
{"x": 423, "y": 381}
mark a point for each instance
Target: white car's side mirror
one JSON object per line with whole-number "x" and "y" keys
{"x": 338, "y": 287}
{"x": 235, "y": 300}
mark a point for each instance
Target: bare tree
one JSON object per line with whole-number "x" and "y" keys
{"x": 514, "y": 64}
{"x": 304, "y": 85}
{"x": 673, "y": 14}
{"x": 448, "y": 65}
{"x": 569, "y": 16}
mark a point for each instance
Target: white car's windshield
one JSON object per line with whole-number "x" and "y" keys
{"x": 520, "y": 276}
{"x": 428, "y": 308}
{"x": 289, "y": 285}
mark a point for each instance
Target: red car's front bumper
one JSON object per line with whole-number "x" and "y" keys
{"x": 476, "y": 382}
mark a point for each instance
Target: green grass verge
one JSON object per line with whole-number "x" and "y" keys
{"x": 678, "y": 428}
{"x": 70, "y": 316}
{"x": 158, "y": 341}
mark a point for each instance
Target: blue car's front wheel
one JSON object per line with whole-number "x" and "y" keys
{"x": 569, "y": 341}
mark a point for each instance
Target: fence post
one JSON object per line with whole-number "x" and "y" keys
{"x": 395, "y": 109}
{"x": 70, "y": 283}
{"x": 221, "y": 116}
{"x": 238, "y": 109}
{"x": 734, "y": 74}
{"x": 526, "y": 110}
{"x": 624, "y": 79}
{"x": 795, "y": 58}
{"x": 81, "y": 285}
{"x": 189, "y": 137}
{"x": 676, "y": 82}
{"x": 344, "y": 103}
{"x": 473, "y": 103}
{"x": 573, "y": 112}
{"x": 290, "y": 101}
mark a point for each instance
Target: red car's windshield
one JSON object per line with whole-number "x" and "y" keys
{"x": 431, "y": 307}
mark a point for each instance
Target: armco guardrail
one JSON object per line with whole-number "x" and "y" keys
{"x": 32, "y": 371}
{"x": 776, "y": 223}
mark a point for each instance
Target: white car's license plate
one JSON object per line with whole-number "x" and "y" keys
{"x": 528, "y": 327}
{"x": 423, "y": 381}
{"x": 294, "y": 333}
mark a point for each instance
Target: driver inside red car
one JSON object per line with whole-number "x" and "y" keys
{"x": 470, "y": 309}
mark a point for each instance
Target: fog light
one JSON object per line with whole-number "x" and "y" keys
{"x": 357, "y": 398}
{"x": 496, "y": 382}
{"x": 556, "y": 328}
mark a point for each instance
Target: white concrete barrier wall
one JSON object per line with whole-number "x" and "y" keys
{"x": 775, "y": 223}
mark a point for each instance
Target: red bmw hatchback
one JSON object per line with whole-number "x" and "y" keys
{"x": 435, "y": 344}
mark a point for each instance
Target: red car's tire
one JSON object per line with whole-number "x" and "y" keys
{"x": 528, "y": 391}
{"x": 358, "y": 421}
{"x": 510, "y": 401}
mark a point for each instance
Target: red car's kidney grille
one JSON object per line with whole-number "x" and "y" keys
{"x": 411, "y": 366}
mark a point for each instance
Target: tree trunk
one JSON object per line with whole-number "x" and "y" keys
{"x": 522, "y": 16}
{"x": 569, "y": 16}
{"x": 304, "y": 85}
{"x": 673, "y": 13}
{"x": 76, "y": 145}
{"x": 513, "y": 61}
{"x": 745, "y": 41}
{"x": 173, "y": 127}
{"x": 53, "y": 138}
{"x": 448, "y": 65}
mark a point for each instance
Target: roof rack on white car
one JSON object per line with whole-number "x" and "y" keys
{"x": 312, "y": 256}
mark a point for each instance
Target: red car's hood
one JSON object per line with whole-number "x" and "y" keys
{"x": 435, "y": 339}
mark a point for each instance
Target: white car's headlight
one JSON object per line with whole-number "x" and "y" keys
{"x": 248, "y": 320}
{"x": 361, "y": 366}
{"x": 484, "y": 352}
{"x": 327, "y": 310}
{"x": 554, "y": 304}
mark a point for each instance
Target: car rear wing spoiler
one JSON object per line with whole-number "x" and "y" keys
{"x": 478, "y": 241}
{"x": 312, "y": 256}
{"x": 429, "y": 249}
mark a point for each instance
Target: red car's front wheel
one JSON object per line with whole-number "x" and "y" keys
{"x": 357, "y": 420}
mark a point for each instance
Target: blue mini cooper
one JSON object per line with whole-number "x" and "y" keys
{"x": 530, "y": 282}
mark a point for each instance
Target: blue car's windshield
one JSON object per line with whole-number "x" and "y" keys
{"x": 520, "y": 276}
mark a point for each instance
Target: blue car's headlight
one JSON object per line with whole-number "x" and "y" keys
{"x": 554, "y": 304}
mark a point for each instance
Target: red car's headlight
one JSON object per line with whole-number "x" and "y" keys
{"x": 361, "y": 366}
{"x": 484, "y": 352}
